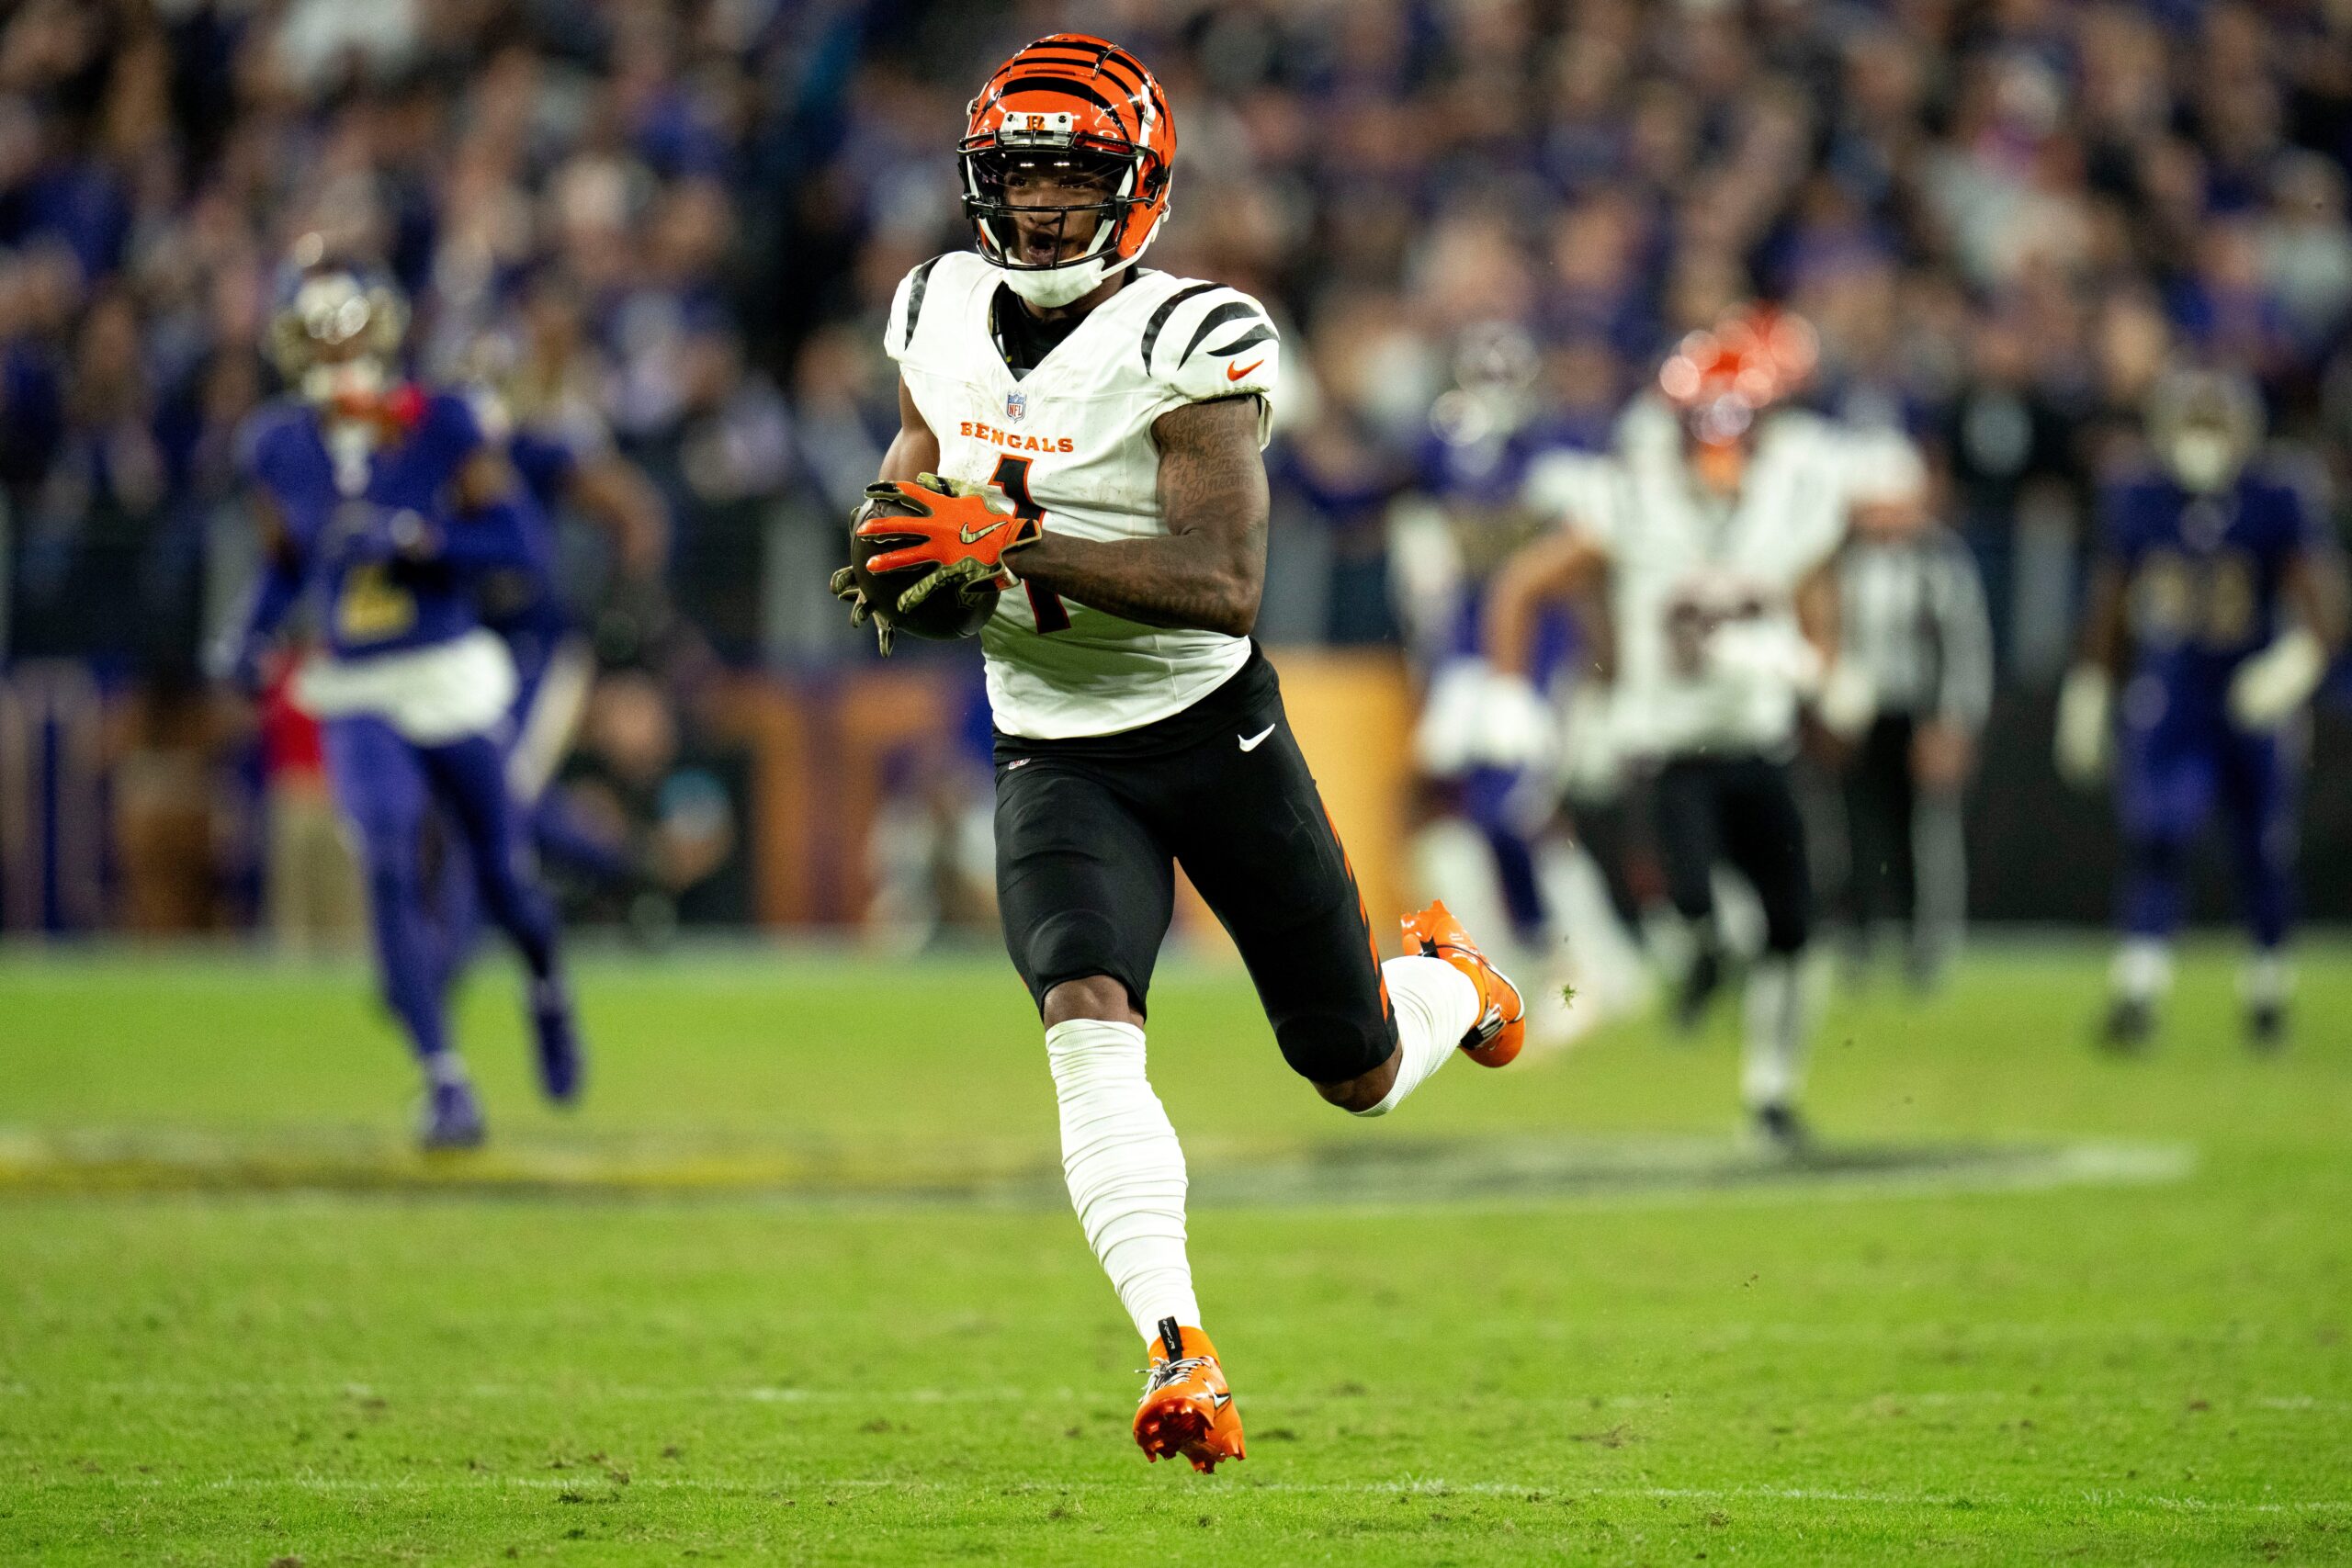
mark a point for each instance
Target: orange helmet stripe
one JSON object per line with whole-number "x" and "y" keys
{"x": 1122, "y": 114}
{"x": 1077, "y": 62}
{"x": 1137, "y": 82}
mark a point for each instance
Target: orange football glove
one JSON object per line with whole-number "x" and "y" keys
{"x": 965, "y": 538}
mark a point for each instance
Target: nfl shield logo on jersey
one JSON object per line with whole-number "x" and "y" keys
{"x": 1016, "y": 406}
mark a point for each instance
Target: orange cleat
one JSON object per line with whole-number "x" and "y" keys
{"x": 1186, "y": 1408}
{"x": 1501, "y": 1028}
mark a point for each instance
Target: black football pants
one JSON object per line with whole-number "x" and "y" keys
{"x": 1739, "y": 810}
{"x": 1090, "y": 830}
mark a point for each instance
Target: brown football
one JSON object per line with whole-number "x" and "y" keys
{"x": 946, "y": 615}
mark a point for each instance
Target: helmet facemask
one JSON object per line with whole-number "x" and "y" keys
{"x": 1050, "y": 254}
{"x": 337, "y": 340}
{"x": 1720, "y": 380}
{"x": 2205, "y": 427}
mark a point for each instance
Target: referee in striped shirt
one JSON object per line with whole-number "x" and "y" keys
{"x": 1913, "y": 617}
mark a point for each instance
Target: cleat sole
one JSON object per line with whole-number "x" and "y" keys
{"x": 1166, "y": 1436}
{"x": 1181, "y": 1430}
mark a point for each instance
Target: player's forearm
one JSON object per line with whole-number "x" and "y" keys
{"x": 2101, "y": 646}
{"x": 912, "y": 453}
{"x": 1209, "y": 571}
{"x": 1553, "y": 568}
{"x": 1510, "y": 628}
{"x": 487, "y": 536}
{"x": 1817, "y": 613}
{"x": 2316, "y": 592}
{"x": 273, "y": 596}
{"x": 1185, "y": 580}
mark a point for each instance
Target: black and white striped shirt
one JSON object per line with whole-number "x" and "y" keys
{"x": 1914, "y": 616}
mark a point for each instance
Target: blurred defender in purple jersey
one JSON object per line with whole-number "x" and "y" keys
{"x": 382, "y": 504}
{"x": 2215, "y": 605}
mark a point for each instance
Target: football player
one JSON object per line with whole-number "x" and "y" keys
{"x": 2216, "y": 603}
{"x": 1099, "y": 428}
{"x": 1714, "y": 526}
{"x": 379, "y": 501}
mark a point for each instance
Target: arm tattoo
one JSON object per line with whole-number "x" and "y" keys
{"x": 1210, "y": 568}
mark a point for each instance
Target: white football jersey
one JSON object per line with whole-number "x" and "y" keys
{"x": 1070, "y": 441}
{"x": 1702, "y": 591}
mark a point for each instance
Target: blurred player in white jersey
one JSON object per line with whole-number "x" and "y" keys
{"x": 1713, "y": 526}
{"x": 1086, "y": 434}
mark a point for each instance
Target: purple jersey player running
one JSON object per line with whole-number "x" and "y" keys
{"x": 2215, "y": 605}
{"x": 382, "y": 503}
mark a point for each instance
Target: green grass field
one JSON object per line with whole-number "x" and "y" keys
{"x": 798, "y": 1285}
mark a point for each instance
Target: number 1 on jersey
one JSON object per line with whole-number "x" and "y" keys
{"x": 1011, "y": 477}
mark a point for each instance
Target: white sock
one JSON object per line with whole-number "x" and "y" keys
{"x": 1436, "y": 1004}
{"x": 2267, "y": 979}
{"x": 1779, "y": 1023}
{"x": 2143, "y": 969}
{"x": 1124, "y": 1168}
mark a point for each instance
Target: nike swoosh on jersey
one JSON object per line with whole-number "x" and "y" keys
{"x": 1253, "y": 742}
{"x": 1220, "y": 1400}
{"x": 1235, "y": 372}
{"x": 972, "y": 536}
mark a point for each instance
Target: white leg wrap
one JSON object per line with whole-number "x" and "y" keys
{"x": 1779, "y": 1027}
{"x": 1436, "y": 1004}
{"x": 2143, "y": 969}
{"x": 2267, "y": 979}
{"x": 1124, "y": 1168}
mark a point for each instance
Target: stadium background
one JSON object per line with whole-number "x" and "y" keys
{"x": 2003, "y": 217}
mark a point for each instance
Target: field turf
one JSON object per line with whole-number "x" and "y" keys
{"x": 798, "y": 1285}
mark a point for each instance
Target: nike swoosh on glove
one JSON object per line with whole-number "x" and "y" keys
{"x": 961, "y": 535}
{"x": 924, "y": 492}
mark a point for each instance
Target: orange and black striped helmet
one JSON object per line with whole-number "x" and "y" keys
{"x": 1721, "y": 378}
{"x": 1070, "y": 103}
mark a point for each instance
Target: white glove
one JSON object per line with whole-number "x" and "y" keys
{"x": 1515, "y": 726}
{"x": 1772, "y": 650}
{"x": 1593, "y": 744}
{"x": 1445, "y": 737}
{"x": 2273, "y": 685}
{"x": 2084, "y": 725}
{"x": 1848, "y": 700}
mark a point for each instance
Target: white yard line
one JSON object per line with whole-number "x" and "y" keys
{"x": 1263, "y": 1401}
{"x": 589, "y": 1479}
{"x": 1512, "y": 1176}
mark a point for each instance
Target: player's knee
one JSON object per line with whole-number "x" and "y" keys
{"x": 1096, "y": 996}
{"x": 1350, "y": 1061}
{"x": 1787, "y": 931}
{"x": 1367, "y": 1094}
{"x": 1693, "y": 899}
{"x": 1073, "y": 956}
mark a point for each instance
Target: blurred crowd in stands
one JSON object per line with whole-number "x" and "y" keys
{"x": 683, "y": 222}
